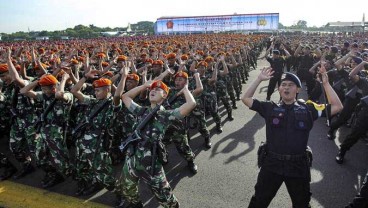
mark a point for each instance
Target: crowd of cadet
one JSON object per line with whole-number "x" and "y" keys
{"x": 78, "y": 108}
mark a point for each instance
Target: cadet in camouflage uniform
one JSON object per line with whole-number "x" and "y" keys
{"x": 221, "y": 84}
{"x": 232, "y": 82}
{"x": 5, "y": 103}
{"x": 93, "y": 163}
{"x": 51, "y": 151}
{"x": 141, "y": 161}
{"x": 22, "y": 133}
{"x": 177, "y": 132}
{"x": 209, "y": 97}
{"x": 4, "y": 121}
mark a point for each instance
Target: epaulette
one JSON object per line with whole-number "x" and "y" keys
{"x": 319, "y": 107}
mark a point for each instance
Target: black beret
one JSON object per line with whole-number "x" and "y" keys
{"x": 277, "y": 52}
{"x": 291, "y": 77}
{"x": 334, "y": 49}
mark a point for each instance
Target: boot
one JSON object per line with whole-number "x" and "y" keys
{"x": 331, "y": 134}
{"x": 192, "y": 167}
{"x": 340, "y": 156}
{"x": 219, "y": 128}
{"x": 234, "y": 105}
{"x": 230, "y": 116}
{"x": 46, "y": 178}
{"x": 137, "y": 205}
{"x": 55, "y": 178}
{"x": 26, "y": 169}
{"x": 9, "y": 171}
{"x": 81, "y": 187}
{"x": 95, "y": 187}
{"x": 207, "y": 142}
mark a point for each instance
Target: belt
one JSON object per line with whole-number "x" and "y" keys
{"x": 286, "y": 157}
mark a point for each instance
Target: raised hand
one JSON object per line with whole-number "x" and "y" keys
{"x": 266, "y": 74}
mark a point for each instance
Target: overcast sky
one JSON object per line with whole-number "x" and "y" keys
{"x": 37, "y": 15}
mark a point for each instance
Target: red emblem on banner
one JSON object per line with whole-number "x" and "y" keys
{"x": 169, "y": 24}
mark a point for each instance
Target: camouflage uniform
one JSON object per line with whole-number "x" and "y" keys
{"x": 5, "y": 105}
{"x": 222, "y": 92}
{"x": 122, "y": 126}
{"x": 198, "y": 114}
{"x": 23, "y": 133}
{"x": 138, "y": 163}
{"x": 209, "y": 100}
{"x": 93, "y": 162}
{"x": 178, "y": 131}
{"x": 51, "y": 152}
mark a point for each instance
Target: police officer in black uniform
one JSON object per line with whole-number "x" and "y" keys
{"x": 288, "y": 124}
{"x": 360, "y": 126}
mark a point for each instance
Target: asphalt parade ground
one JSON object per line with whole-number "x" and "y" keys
{"x": 226, "y": 174}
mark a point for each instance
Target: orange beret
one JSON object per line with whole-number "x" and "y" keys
{"x": 158, "y": 62}
{"x": 108, "y": 73}
{"x": 171, "y": 56}
{"x": 161, "y": 85}
{"x": 149, "y": 61}
{"x": 202, "y": 63}
{"x": 74, "y": 61}
{"x": 101, "y": 55}
{"x": 184, "y": 57}
{"x": 133, "y": 77}
{"x": 209, "y": 59}
{"x": 200, "y": 53}
{"x": 41, "y": 50}
{"x": 122, "y": 58}
{"x": 119, "y": 50}
{"x": 102, "y": 82}
{"x": 18, "y": 67}
{"x": 57, "y": 60}
{"x": 3, "y": 68}
{"x": 221, "y": 53}
{"x": 47, "y": 79}
{"x": 81, "y": 58}
{"x": 36, "y": 67}
{"x": 181, "y": 74}
{"x": 104, "y": 64}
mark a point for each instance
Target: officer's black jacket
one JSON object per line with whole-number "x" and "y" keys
{"x": 287, "y": 133}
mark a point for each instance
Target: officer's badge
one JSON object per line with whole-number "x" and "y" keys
{"x": 301, "y": 124}
{"x": 275, "y": 121}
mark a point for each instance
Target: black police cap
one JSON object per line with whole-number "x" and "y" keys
{"x": 276, "y": 52}
{"x": 291, "y": 77}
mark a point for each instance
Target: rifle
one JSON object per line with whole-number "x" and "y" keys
{"x": 364, "y": 100}
{"x": 39, "y": 123}
{"x": 352, "y": 92}
{"x": 135, "y": 136}
{"x": 78, "y": 131}
{"x": 337, "y": 85}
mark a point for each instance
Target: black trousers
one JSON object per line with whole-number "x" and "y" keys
{"x": 361, "y": 200}
{"x": 358, "y": 129}
{"x": 272, "y": 84}
{"x": 268, "y": 183}
{"x": 305, "y": 75}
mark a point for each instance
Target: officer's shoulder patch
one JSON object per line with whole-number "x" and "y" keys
{"x": 318, "y": 107}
